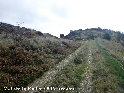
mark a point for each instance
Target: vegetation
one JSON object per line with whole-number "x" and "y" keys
{"x": 27, "y": 55}
{"x": 70, "y": 76}
{"x": 109, "y": 75}
{"x": 92, "y": 33}
{"x": 107, "y": 36}
{"x": 77, "y": 60}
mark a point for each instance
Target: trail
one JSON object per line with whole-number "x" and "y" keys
{"x": 110, "y": 53}
{"x": 48, "y": 76}
{"x": 86, "y": 84}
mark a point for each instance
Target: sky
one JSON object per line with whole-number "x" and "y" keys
{"x": 60, "y": 16}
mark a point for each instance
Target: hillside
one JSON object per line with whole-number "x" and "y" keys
{"x": 84, "y": 61}
{"x": 26, "y": 54}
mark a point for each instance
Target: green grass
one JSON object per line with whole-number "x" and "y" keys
{"x": 113, "y": 65}
{"x": 70, "y": 76}
{"x": 121, "y": 53}
{"x": 112, "y": 62}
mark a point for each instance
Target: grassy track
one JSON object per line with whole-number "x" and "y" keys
{"x": 71, "y": 75}
{"x": 107, "y": 74}
{"x": 67, "y": 73}
{"x": 112, "y": 72}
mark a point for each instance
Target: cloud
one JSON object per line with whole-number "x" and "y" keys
{"x": 61, "y": 16}
{"x": 60, "y": 11}
{"x": 14, "y": 10}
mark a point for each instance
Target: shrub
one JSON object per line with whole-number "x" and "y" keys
{"x": 77, "y": 60}
{"x": 107, "y": 36}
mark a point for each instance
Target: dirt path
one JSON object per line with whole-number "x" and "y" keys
{"x": 86, "y": 84}
{"x": 48, "y": 76}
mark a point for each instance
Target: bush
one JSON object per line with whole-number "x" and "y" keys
{"x": 107, "y": 36}
{"x": 77, "y": 60}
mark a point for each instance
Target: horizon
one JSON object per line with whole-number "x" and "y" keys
{"x": 69, "y": 30}
{"x": 59, "y": 17}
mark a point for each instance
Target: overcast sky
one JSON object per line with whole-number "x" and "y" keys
{"x": 61, "y": 16}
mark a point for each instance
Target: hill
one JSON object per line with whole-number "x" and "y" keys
{"x": 89, "y": 34}
{"x": 26, "y": 54}
{"x": 84, "y": 61}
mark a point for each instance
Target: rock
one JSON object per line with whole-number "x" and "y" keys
{"x": 61, "y": 35}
